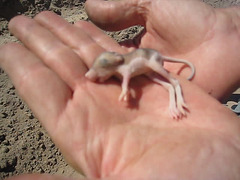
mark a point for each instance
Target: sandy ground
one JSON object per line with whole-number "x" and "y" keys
{"x": 25, "y": 147}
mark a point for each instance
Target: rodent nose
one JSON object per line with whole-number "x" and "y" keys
{"x": 91, "y": 75}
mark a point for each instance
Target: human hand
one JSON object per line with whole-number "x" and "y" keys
{"x": 187, "y": 29}
{"x": 101, "y": 136}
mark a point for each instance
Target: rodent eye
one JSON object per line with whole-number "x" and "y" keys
{"x": 104, "y": 62}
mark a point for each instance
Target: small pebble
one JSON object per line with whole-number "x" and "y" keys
{"x": 24, "y": 147}
{"x": 6, "y": 142}
{"x": 2, "y": 137}
{"x": 4, "y": 115}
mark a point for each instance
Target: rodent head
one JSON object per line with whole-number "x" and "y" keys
{"x": 104, "y": 66}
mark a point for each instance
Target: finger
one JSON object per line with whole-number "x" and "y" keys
{"x": 44, "y": 92}
{"x": 100, "y": 37}
{"x": 70, "y": 35}
{"x": 115, "y": 15}
{"x": 49, "y": 48}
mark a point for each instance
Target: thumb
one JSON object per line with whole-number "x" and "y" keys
{"x": 114, "y": 15}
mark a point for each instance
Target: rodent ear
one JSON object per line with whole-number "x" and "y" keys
{"x": 117, "y": 60}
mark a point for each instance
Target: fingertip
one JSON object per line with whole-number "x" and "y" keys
{"x": 44, "y": 14}
{"x": 114, "y": 15}
{"x": 21, "y": 25}
{"x": 48, "y": 17}
{"x": 15, "y": 21}
{"x": 94, "y": 8}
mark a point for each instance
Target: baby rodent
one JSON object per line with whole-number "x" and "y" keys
{"x": 141, "y": 61}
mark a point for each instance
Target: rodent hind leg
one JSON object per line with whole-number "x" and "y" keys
{"x": 125, "y": 92}
{"x": 180, "y": 101}
{"x": 174, "y": 111}
{"x": 158, "y": 68}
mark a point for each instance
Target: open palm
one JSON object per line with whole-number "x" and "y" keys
{"x": 109, "y": 139}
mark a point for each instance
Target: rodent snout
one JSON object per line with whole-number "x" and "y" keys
{"x": 91, "y": 75}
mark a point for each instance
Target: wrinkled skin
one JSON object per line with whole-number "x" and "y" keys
{"x": 106, "y": 139}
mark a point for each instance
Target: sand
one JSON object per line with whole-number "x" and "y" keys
{"x": 25, "y": 147}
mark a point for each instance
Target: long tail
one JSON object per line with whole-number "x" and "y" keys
{"x": 174, "y": 60}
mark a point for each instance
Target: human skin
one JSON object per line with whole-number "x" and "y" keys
{"x": 186, "y": 29}
{"x": 105, "y": 138}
